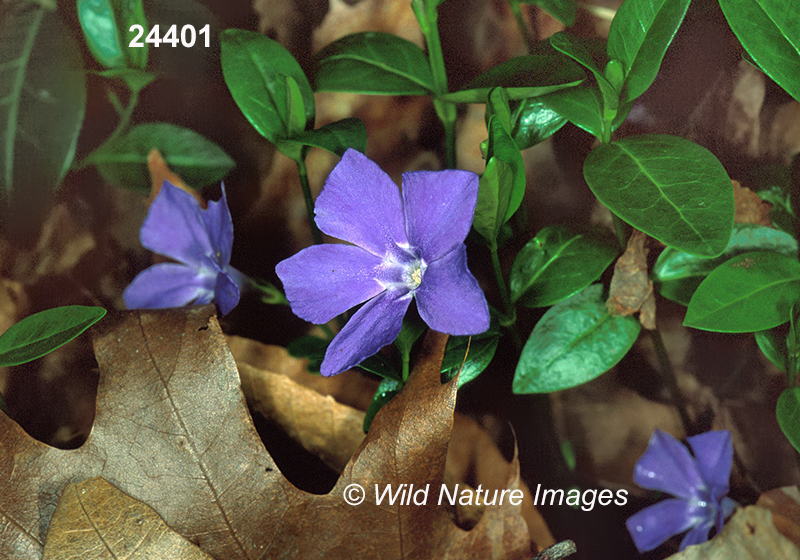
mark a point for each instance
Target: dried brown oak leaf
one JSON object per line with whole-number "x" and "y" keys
{"x": 172, "y": 430}
{"x": 631, "y": 289}
{"x": 94, "y": 520}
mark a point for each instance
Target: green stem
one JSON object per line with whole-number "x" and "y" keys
{"x": 668, "y": 375}
{"x": 125, "y": 115}
{"x": 406, "y": 356}
{"x": 523, "y": 28}
{"x": 303, "y": 172}
{"x": 509, "y": 318}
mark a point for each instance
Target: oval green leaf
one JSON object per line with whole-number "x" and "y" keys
{"x": 772, "y": 343}
{"x": 533, "y": 122}
{"x": 788, "y": 413}
{"x": 198, "y": 161}
{"x": 752, "y": 292}
{"x": 469, "y": 355}
{"x": 337, "y": 137}
{"x": 669, "y": 188}
{"x": 558, "y": 263}
{"x": 373, "y": 63}
{"x": 574, "y": 342}
{"x": 387, "y": 389}
{"x": 678, "y": 274}
{"x": 769, "y": 30}
{"x": 43, "y": 332}
{"x": 581, "y": 105}
{"x": 42, "y": 101}
{"x": 639, "y": 36}
{"x": 255, "y": 70}
{"x": 99, "y": 26}
{"x": 574, "y": 48}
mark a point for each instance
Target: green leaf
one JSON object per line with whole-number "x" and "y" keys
{"x": 669, "y": 188}
{"x": 772, "y": 343}
{"x": 387, "y": 389}
{"x": 311, "y": 348}
{"x": 42, "y": 102}
{"x": 574, "y": 342}
{"x": 382, "y": 366}
{"x": 534, "y": 122}
{"x": 678, "y": 273}
{"x": 412, "y": 329}
{"x": 639, "y": 36}
{"x": 373, "y": 63}
{"x": 769, "y": 30}
{"x": 295, "y": 108}
{"x": 469, "y": 355}
{"x": 752, "y": 292}
{"x": 43, "y": 332}
{"x": 123, "y": 161}
{"x": 788, "y": 414}
{"x": 135, "y": 79}
{"x": 522, "y": 77}
{"x": 503, "y": 147}
{"x": 793, "y": 344}
{"x": 573, "y": 47}
{"x": 581, "y": 105}
{"x": 558, "y": 263}
{"x": 336, "y": 137}
{"x": 105, "y": 25}
{"x": 497, "y": 105}
{"x": 256, "y": 70}
{"x": 494, "y": 194}
{"x": 562, "y": 10}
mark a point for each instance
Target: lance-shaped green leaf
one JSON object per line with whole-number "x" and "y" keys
{"x": 678, "y": 273}
{"x": 558, "y": 263}
{"x": 752, "y": 292}
{"x": 581, "y": 105}
{"x": 123, "y": 160}
{"x": 669, "y": 188}
{"x": 522, "y": 77}
{"x": 574, "y": 342}
{"x": 573, "y": 47}
{"x": 788, "y": 413}
{"x": 497, "y": 105}
{"x": 639, "y": 36}
{"x": 533, "y": 122}
{"x": 42, "y": 101}
{"x": 256, "y": 69}
{"x": 105, "y": 25}
{"x": 494, "y": 196}
{"x": 336, "y": 137}
{"x": 769, "y": 30}
{"x": 469, "y": 355}
{"x": 43, "y": 332}
{"x": 373, "y": 63}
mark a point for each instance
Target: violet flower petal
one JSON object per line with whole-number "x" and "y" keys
{"x": 361, "y": 204}
{"x": 324, "y": 281}
{"x": 219, "y": 225}
{"x": 226, "y": 292}
{"x": 697, "y": 535}
{"x": 439, "y": 206}
{"x": 169, "y": 285}
{"x": 668, "y": 466}
{"x": 175, "y": 227}
{"x": 655, "y": 524}
{"x": 449, "y": 298}
{"x": 714, "y": 456}
{"x": 372, "y": 327}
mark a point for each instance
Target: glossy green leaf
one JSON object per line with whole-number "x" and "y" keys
{"x": 769, "y": 30}
{"x": 336, "y": 137}
{"x": 503, "y": 147}
{"x": 255, "y": 70}
{"x": 497, "y": 105}
{"x": 558, "y": 263}
{"x": 793, "y": 344}
{"x": 574, "y": 342}
{"x": 494, "y": 196}
{"x": 573, "y": 47}
{"x": 386, "y": 391}
{"x": 135, "y": 79}
{"x": 772, "y": 343}
{"x": 295, "y": 108}
{"x": 639, "y": 36}
{"x": 469, "y": 355}
{"x": 562, "y": 10}
{"x": 751, "y": 292}
{"x": 105, "y": 25}
{"x": 534, "y": 122}
{"x": 123, "y": 161}
{"x": 412, "y": 329}
{"x": 373, "y": 63}
{"x": 522, "y": 77}
{"x": 43, "y": 332}
{"x": 581, "y": 105}
{"x": 42, "y": 102}
{"x": 382, "y": 366}
{"x": 787, "y": 411}
{"x": 678, "y": 273}
{"x": 670, "y": 188}
{"x": 311, "y": 348}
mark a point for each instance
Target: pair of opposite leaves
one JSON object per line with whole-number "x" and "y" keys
{"x": 172, "y": 430}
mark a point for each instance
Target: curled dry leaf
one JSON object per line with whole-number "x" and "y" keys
{"x": 93, "y": 519}
{"x": 172, "y": 430}
{"x": 784, "y": 503}
{"x": 631, "y": 289}
{"x": 749, "y": 208}
{"x": 160, "y": 172}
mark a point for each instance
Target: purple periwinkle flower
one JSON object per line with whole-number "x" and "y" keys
{"x": 200, "y": 240}
{"x": 699, "y": 484}
{"x": 404, "y": 246}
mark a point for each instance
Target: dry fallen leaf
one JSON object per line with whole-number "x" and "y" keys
{"x": 93, "y": 519}
{"x": 750, "y": 209}
{"x": 160, "y": 172}
{"x": 172, "y": 431}
{"x": 631, "y": 288}
{"x": 784, "y": 503}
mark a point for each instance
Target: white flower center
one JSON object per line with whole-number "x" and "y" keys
{"x": 402, "y": 271}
